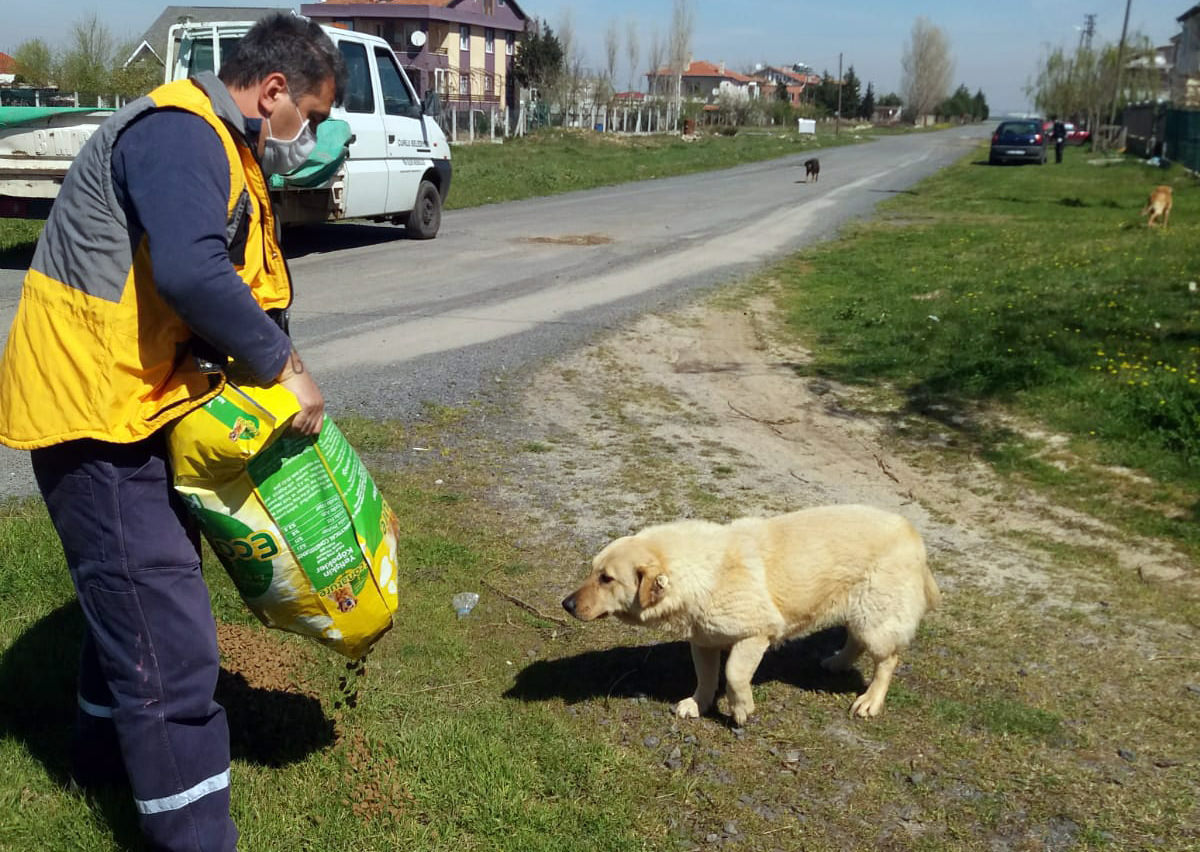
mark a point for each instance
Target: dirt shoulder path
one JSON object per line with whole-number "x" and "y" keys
{"x": 1045, "y": 705}
{"x": 703, "y": 413}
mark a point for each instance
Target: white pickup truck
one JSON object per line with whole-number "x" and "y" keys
{"x": 392, "y": 163}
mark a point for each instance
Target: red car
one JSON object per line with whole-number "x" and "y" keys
{"x": 1075, "y": 135}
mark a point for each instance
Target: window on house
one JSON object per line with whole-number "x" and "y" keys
{"x": 397, "y": 100}
{"x": 464, "y": 86}
{"x": 359, "y": 95}
{"x": 508, "y": 44}
{"x": 489, "y": 40}
{"x": 489, "y": 7}
{"x": 464, "y": 37}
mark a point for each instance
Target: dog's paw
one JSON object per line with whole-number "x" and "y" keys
{"x": 687, "y": 709}
{"x": 866, "y": 706}
{"x": 740, "y": 714}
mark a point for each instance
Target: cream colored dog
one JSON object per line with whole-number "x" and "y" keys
{"x": 760, "y": 581}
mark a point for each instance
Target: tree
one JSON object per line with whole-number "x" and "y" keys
{"x": 851, "y": 92}
{"x": 135, "y": 80}
{"x": 781, "y": 92}
{"x": 825, "y": 96}
{"x": 654, "y": 58}
{"x": 612, "y": 49}
{"x": 679, "y": 44}
{"x": 957, "y": 105}
{"x": 890, "y": 99}
{"x": 979, "y": 106}
{"x": 632, "y": 50}
{"x": 1080, "y": 86}
{"x": 35, "y": 62}
{"x": 927, "y": 67}
{"x": 539, "y": 61}
{"x": 88, "y": 62}
{"x": 866, "y": 109}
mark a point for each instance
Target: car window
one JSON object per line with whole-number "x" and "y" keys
{"x": 396, "y": 98}
{"x": 359, "y": 95}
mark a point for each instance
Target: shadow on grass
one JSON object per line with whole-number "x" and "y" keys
{"x": 663, "y": 672}
{"x": 38, "y": 701}
{"x": 18, "y": 256}
{"x": 303, "y": 240}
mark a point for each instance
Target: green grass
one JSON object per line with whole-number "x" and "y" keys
{"x": 432, "y": 755}
{"x": 1037, "y": 289}
{"x": 507, "y": 731}
{"x": 17, "y": 239}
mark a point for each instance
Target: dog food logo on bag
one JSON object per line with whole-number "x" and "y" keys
{"x": 245, "y": 553}
{"x": 261, "y": 546}
{"x": 243, "y": 426}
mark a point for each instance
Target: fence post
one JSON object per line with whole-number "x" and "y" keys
{"x": 454, "y": 125}
{"x": 471, "y": 122}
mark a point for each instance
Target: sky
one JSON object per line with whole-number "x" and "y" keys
{"x": 996, "y": 44}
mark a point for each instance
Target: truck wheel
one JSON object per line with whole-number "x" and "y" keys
{"x": 426, "y": 216}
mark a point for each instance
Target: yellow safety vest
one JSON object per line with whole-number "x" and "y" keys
{"x": 94, "y": 351}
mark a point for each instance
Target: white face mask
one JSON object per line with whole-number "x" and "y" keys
{"x": 281, "y": 156}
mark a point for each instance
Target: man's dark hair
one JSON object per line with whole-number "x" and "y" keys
{"x": 294, "y": 46}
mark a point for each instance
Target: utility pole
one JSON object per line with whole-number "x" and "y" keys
{"x": 1089, "y": 29}
{"x": 1112, "y": 117}
{"x": 838, "y": 119}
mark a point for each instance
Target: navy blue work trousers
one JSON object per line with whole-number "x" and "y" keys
{"x": 149, "y": 663}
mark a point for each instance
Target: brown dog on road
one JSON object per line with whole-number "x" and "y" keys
{"x": 812, "y": 169}
{"x": 1159, "y": 206}
{"x": 756, "y": 582}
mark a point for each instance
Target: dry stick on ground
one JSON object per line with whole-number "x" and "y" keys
{"x": 784, "y": 422}
{"x": 773, "y": 425}
{"x": 530, "y": 608}
{"x": 883, "y": 466}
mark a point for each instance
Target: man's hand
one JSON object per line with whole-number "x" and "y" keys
{"x": 300, "y": 382}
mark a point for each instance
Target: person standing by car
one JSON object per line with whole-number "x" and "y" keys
{"x": 160, "y": 257}
{"x": 1060, "y": 138}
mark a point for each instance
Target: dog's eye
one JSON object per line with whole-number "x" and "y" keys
{"x": 604, "y": 578}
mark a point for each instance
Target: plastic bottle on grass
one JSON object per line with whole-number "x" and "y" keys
{"x": 464, "y": 602}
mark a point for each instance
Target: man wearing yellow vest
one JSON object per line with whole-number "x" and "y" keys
{"x": 160, "y": 259}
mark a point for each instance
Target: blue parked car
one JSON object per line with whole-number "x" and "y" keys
{"x": 1019, "y": 141}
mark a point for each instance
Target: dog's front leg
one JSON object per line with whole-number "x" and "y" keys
{"x": 708, "y": 668}
{"x": 744, "y": 658}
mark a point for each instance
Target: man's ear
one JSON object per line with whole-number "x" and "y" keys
{"x": 652, "y": 585}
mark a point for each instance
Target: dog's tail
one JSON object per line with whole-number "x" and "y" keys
{"x": 933, "y": 595}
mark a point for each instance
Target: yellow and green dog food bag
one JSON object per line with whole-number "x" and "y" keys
{"x": 297, "y": 521}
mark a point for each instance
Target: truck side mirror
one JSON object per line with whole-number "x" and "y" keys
{"x": 431, "y": 104}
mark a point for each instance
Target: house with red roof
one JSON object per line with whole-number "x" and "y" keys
{"x": 8, "y": 69}
{"x": 703, "y": 81}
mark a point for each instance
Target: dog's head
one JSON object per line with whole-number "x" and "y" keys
{"x": 628, "y": 580}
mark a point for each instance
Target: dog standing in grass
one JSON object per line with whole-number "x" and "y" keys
{"x": 1159, "y": 206}
{"x": 756, "y": 582}
{"x": 812, "y": 169}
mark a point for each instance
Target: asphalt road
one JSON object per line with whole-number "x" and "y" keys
{"x": 387, "y": 324}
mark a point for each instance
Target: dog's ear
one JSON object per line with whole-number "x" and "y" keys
{"x": 652, "y": 584}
